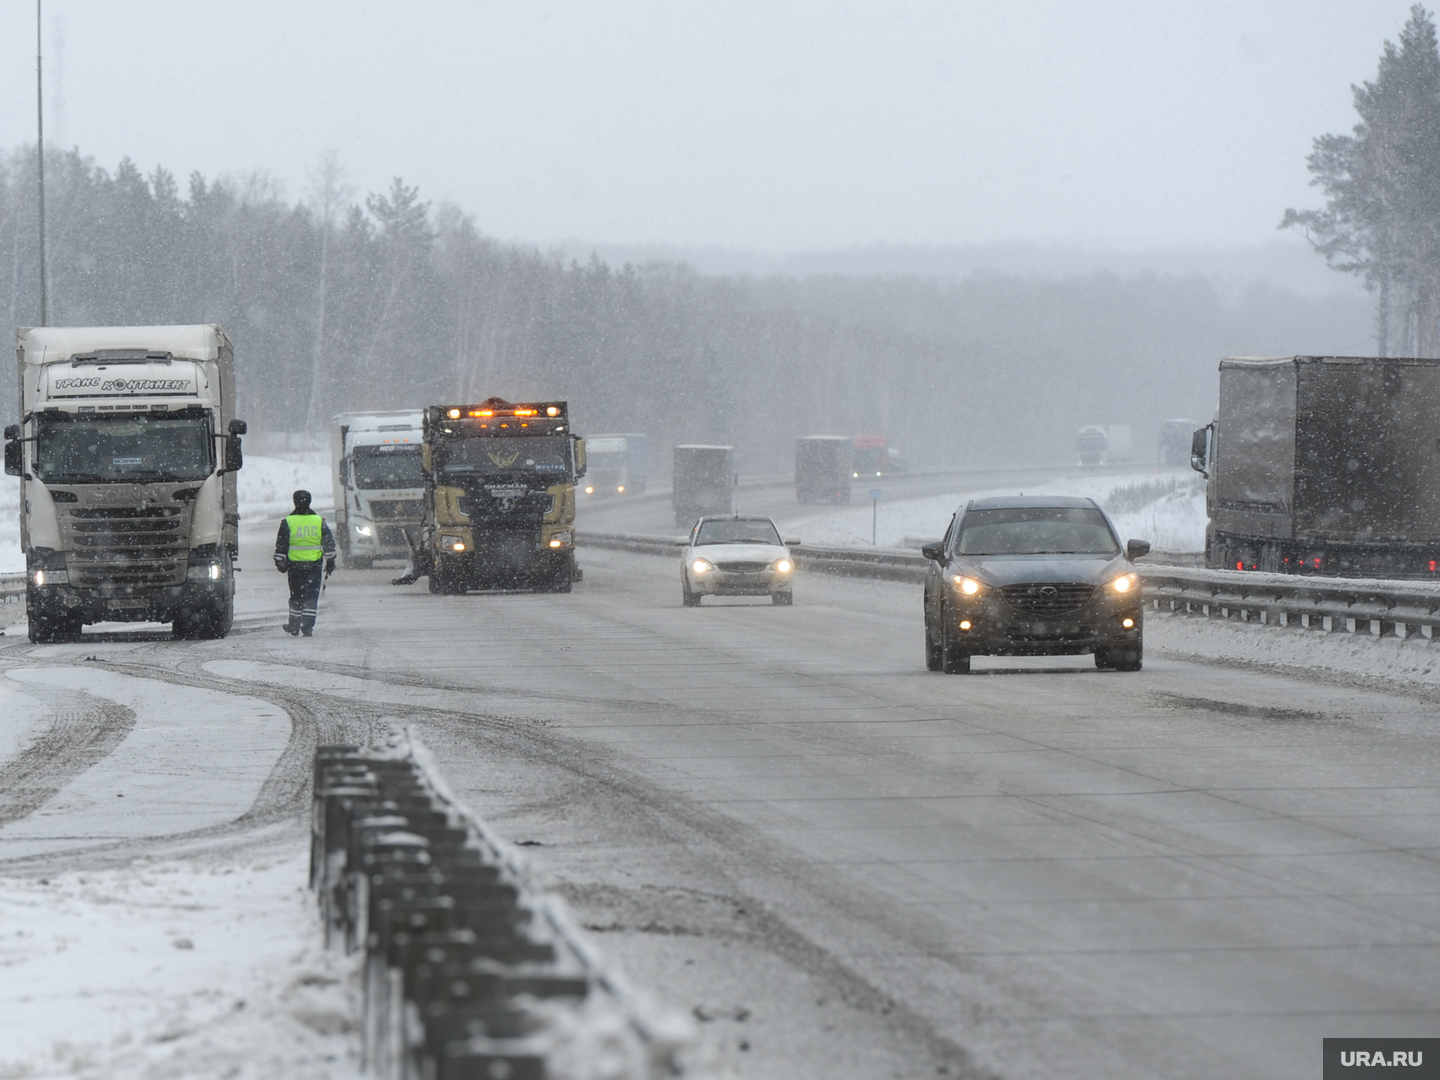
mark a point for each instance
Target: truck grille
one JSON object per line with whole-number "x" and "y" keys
{"x": 409, "y": 510}
{"x": 127, "y": 545}
{"x": 1046, "y": 599}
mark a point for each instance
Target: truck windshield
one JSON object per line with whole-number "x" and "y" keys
{"x": 381, "y": 467}
{"x": 1036, "y": 530}
{"x": 546, "y": 455}
{"x": 122, "y": 449}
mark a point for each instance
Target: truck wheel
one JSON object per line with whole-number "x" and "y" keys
{"x": 45, "y": 631}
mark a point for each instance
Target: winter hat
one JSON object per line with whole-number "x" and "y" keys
{"x": 302, "y": 500}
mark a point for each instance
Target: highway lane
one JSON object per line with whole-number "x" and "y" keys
{"x": 844, "y": 866}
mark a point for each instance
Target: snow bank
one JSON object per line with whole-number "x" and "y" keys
{"x": 1168, "y": 509}
{"x": 170, "y": 969}
{"x": 265, "y": 484}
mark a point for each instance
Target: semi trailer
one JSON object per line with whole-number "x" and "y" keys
{"x": 127, "y": 449}
{"x": 703, "y": 482}
{"x": 1324, "y": 465}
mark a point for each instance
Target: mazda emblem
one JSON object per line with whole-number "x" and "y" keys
{"x": 1049, "y": 592}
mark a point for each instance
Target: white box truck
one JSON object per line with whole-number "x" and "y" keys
{"x": 379, "y": 484}
{"x": 127, "y": 449}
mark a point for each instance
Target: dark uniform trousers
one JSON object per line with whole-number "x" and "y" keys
{"x": 305, "y": 581}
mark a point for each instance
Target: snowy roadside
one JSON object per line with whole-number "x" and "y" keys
{"x": 1168, "y": 509}
{"x": 201, "y": 967}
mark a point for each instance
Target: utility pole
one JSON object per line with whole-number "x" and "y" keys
{"x": 40, "y": 154}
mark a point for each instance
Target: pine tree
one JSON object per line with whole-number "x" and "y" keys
{"x": 1382, "y": 186}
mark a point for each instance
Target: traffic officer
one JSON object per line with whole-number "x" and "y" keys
{"x": 303, "y": 542}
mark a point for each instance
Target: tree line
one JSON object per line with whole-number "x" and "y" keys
{"x": 337, "y": 303}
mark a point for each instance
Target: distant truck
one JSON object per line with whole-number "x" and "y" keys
{"x": 499, "y": 504}
{"x": 870, "y": 455}
{"x": 127, "y": 450}
{"x": 1109, "y": 445}
{"x": 822, "y": 469}
{"x": 704, "y": 482}
{"x": 1175, "y": 436}
{"x": 1324, "y": 465}
{"x": 615, "y": 465}
{"x": 379, "y": 484}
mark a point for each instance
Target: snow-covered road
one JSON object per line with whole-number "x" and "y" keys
{"x": 772, "y": 817}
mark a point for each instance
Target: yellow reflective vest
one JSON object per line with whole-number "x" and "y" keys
{"x": 305, "y": 530}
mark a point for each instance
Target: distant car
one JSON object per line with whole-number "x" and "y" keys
{"x": 1032, "y": 576}
{"x": 736, "y": 556}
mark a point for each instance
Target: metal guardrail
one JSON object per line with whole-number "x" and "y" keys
{"x": 12, "y": 588}
{"x": 470, "y": 970}
{"x": 1405, "y": 609}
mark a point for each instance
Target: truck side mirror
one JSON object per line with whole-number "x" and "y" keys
{"x": 234, "y": 458}
{"x": 238, "y": 427}
{"x": 1200, "y": 451}
{"x": 14, "y": 461}
{"x": 12, "y": 432}
{"x": 579, "y": 458}
{"x": 1135, "y": 549}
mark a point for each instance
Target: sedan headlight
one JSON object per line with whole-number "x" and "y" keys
{"x": 702, "y": 566}
{"x": 1125, "y": 583}
{"x": 782, "y": 566}
{"x": 968, "y": 585}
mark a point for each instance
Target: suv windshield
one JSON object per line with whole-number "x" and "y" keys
{"x": 1036, "y": 530}
{"x": 730, "y": 531}
{"x": 547, "y": 455}
{"x": 379, "y": 467}
{"x": 127, "y": 449}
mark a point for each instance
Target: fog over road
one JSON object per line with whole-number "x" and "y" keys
{"x": 776, "y": 818}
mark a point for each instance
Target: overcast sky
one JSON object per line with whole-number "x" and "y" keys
{"x": 768, "y": 126}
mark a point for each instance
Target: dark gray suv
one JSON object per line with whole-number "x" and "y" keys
{"x": 1032, "y": 576}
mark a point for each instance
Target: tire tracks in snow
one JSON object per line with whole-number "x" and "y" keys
{"x": 83, "y": 731}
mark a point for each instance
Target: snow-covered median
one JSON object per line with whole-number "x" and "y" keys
{"x": 173, "y": 969}
{"x": 1168, "y": 509}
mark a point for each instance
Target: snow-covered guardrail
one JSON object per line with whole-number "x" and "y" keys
{"x": 470, "y": 970}
{"x": 1406, "y": 609}
{"x": 12, "y": 588}
{"x": 1383, "y": 608}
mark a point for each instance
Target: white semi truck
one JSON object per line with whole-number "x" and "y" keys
{"x": 127, "y": 450}
{"x": 379, "y": 484}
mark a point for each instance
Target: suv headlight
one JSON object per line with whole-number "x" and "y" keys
{"x": 1125, "y": 583}
{"x": 203, "y": 572}
{"x": 968, "y": 586}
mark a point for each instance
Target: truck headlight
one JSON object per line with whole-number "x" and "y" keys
{"x": 562, "y": 539}
{"x": 203, "y": 572}
{"x": 50, "y": 577}
{"x": 452, "y": 543}
{"x": 365, "y": 530}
